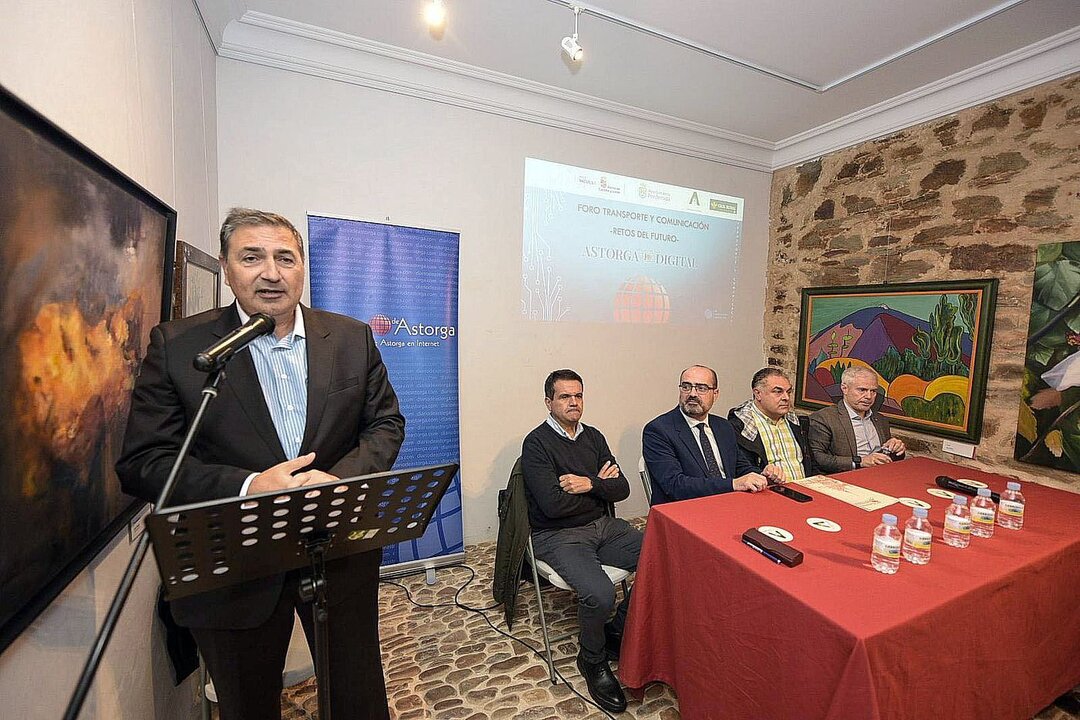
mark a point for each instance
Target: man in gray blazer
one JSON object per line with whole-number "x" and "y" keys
{"x": 850, "y": 435}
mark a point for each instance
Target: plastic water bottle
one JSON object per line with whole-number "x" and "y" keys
{"x": 917, "y": 535}
{"x": 983, "y": 511}
{"x": 957, "y": 531}
{"x": 1011, "y": 507}
{"x": 885, "y": 557}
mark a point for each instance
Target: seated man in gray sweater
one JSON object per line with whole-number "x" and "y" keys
{"x": 571, "y": 478}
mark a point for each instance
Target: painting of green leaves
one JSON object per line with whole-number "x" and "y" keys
{"x": 1048, "y": 429}
{"x": 928, "y": 342}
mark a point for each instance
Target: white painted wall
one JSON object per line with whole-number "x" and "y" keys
{"x": 134, "y": 81}
{"x": 295, "y": 144}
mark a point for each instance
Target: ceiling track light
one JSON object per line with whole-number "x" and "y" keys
{"x": 570, "y": 44}
{"x": 614, "y": 18}
{"x": 435, "y": 13}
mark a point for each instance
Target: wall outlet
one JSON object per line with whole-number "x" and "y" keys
{"x": 958, "y": 448}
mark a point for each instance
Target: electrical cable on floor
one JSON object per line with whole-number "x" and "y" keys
{"x": 482, "y": 612}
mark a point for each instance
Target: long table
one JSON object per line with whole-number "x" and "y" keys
{"x": 990, "y": 631}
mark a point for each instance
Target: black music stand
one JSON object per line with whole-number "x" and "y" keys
{"x": 211, "y": 545}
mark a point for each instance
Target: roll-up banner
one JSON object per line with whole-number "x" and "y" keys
{"x": 403, "y": 282}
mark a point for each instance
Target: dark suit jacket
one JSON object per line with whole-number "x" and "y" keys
{"x": 353, "y": 425}
{"x": 832, "y": 438}
{"x": 676, "y": 466}
{"x": 756, "y": 448}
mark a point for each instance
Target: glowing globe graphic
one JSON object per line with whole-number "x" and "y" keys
{"x": 642, "y": 300}
{"x": 380, "y": 324}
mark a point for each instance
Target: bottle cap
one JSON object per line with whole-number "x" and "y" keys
{"x": 959, "y": 500}
{"x": 919, "y": 512}
{"x": 984, "y": 492}
{"x": 1012, "y": 485}
{"x": 888, "y": 519}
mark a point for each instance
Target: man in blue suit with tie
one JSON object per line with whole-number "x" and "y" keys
{"x": 690, "y": 453}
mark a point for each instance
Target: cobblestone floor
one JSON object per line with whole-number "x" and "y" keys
{"x": 445, "y": 662}
{"x": 449, "y": 663}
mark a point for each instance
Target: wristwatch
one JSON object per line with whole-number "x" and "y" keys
{"x": 857, "y": 462}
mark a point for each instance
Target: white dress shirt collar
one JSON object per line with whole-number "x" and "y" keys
{"x": 694, "y": 423}
{"x": 562, "y": 431}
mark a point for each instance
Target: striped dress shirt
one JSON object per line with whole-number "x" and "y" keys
{"x": 282, "y": 367}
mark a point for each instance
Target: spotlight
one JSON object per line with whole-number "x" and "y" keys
{"x": 572, "y": 48}
{"x": 435, "y": 13}
{"x": 570, "y": 44}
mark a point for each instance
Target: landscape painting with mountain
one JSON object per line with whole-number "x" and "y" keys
{"x": 928, "y": 342}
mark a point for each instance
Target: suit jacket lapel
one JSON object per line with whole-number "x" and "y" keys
{"x": 320, "y": 369}
{"x": 849, "y": 429}
{"x": 689, "y": 440}
{"x": 242, "y": 381}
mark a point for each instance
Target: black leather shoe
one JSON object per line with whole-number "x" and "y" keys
{"x": 612, "y": 642}
{"x": 603, "y": 685}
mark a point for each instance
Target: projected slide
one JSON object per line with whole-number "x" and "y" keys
{"x": 599, "y": 247}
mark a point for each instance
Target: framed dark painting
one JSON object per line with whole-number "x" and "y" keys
{"x": 1048, "y": 428}
{"x": 86, "y": 260}
{"x": 929, "y": 343}
{"x": 196, "y": 281}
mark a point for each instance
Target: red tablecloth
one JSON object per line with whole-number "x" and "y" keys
{"x": 990, "y": 631}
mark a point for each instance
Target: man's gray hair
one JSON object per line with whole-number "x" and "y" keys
{"x": 855, "y": 371}
{"x": 239, "y": 217}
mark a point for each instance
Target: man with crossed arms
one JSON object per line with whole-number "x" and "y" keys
{"x": 571, "y": 481}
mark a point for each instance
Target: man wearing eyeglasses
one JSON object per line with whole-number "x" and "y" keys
{"x": 766, "y": 428}
{"x": 571, "y": 481}
{"x": 690, "y": 453}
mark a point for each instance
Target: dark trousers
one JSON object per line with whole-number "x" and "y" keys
{"x": 246, "y": 665}
{"x": 576, "y": 554}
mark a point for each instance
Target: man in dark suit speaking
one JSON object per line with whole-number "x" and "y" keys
{"x": 308, "y": 404}
{"x": 690, "y": 453}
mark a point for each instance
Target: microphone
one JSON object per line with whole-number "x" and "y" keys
{"x": 215, "y": 356}
{"x": 944, "y": 481}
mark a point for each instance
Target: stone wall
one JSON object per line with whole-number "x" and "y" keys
{"x": 970, "y": 195}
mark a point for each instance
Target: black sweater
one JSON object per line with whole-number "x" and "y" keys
{"x": 545, "y": 455}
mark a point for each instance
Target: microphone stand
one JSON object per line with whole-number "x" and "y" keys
{"x": 313, "y": 590}
{"x": 97, "y": 651}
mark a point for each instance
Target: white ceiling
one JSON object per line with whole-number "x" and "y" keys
{"x": 854, "y": 54}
